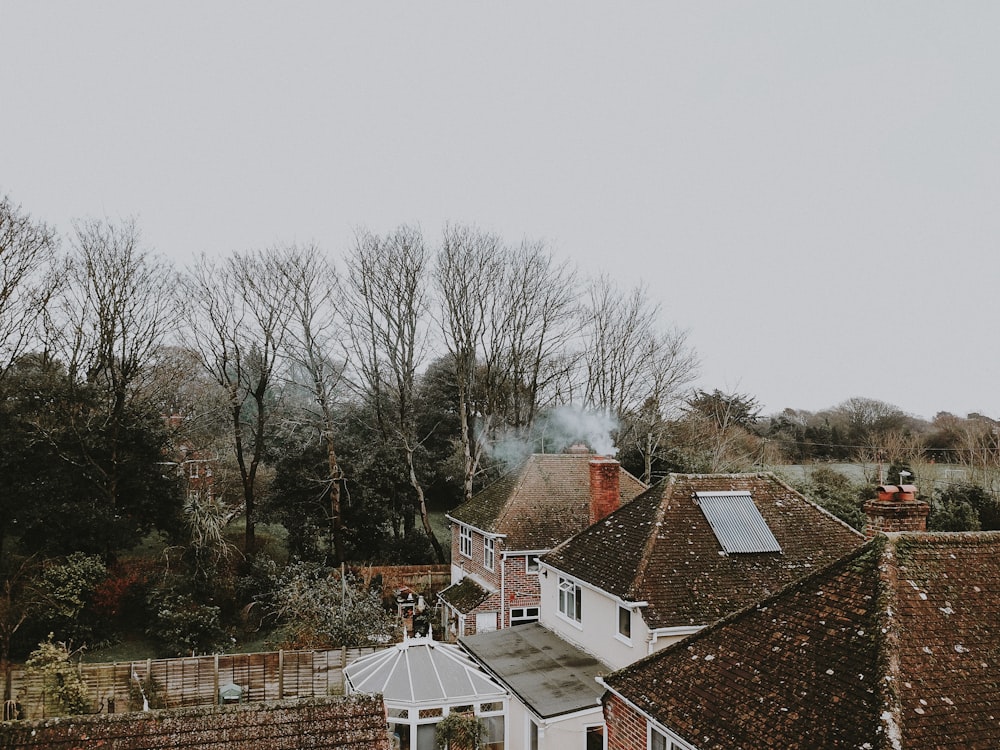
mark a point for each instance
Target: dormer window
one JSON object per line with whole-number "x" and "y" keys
{"x": 736, "y": 522}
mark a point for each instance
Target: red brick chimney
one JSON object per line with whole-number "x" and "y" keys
{"x": 605, "y": 495}
{"x": 895, "y": 509}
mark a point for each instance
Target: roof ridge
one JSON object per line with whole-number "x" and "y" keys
{"x": 887, "y": 645}
{"x": 654, "y": 527}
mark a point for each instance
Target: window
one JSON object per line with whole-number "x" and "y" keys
{"x": 569, "y": 599}
{"x": 595, "y": 737}
{"x": 625, "y": 623}
{"x": 523, "y": 615}
{"x": 465, "y": 540}
{"x": 488, "y": 552}
{"x": 532, "y": 735}
{"x": 193, "y": 469}
{"x": 531, "y": 564}
{"x": 494, "y": 726}
{"x": 658, "y": 741}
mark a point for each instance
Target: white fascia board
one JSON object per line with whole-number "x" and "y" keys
{"x": 649, "y": 719}
{"x": 591, "y": 587}
{"x": 523, "y": 552}
{"x": 492, "y": 534}
{"x": 677, "y": 630}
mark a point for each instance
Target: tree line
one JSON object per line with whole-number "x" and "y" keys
{"x": 337, "y": 398}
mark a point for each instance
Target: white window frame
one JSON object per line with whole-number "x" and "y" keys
{"x": 465, "y": 541}
{"x": 524, "y": 615}
{"x": 489, "y": 552}
{"x": 604, "y": 734}
{"x": 570, "y": 606}
{"x": 625, "y": 638}
{"x": 652, "y": 731}
{"x": 192, "y": 469}
{"x": 669, "y": 742}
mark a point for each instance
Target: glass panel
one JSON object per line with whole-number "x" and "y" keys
{"x": 494, "y": 732}
{"x": 532, "y": 736}
{"x": 657, "y": 741}
{"x": 401, "y": 736}
{"x": 488, "y": 708}
{"x": 425, "y": 737}
{"x": 595, "y": 738}
{"x": 625, "y": 622}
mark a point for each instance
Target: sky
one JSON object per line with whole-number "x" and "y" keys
{"x": 810, "y": 189}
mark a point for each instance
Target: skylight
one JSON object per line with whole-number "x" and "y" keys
{"x": 738, "y": 525}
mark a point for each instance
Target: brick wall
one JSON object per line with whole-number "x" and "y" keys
{"x": 901, "y": 515}
{"x": 354, "y": 723}
{"x": 521, "y": 588}
{"x": 474, "y": 564}
{"x": 626, "y": 727}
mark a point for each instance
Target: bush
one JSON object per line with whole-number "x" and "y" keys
{"x": 62, "y": 685}
{"x": 183, "y": 626}
{"x": 67, "y": 590}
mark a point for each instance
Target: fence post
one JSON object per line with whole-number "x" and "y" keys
{"x": 215, "y": 681}
{"x": 343, "y": 663}
{"x": 281, "y": 674}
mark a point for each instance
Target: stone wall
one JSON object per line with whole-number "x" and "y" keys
{"x": 353, "y": 723}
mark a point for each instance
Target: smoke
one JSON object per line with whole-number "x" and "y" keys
{"x": 554, "y": 432}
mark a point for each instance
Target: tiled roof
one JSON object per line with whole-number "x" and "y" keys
{"x": 894, "y": 645}
{"x": 540, "y": 504}
{"x": 465, "y": 595}
{"x": 661, "y": 549}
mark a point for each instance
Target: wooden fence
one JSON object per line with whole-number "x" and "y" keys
{"x": 196, "y": 681}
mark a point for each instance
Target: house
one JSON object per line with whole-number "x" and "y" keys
{"x": 894, "y": 645}
{"x": 690, "y": 550}
{"x": 422, "y": 681}
{"x": 498, "y": 536}
{"x": 683, "y": 554}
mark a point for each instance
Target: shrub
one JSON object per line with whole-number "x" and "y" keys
{"x": 183, "y": 626}
{"x": 62, "y": 685}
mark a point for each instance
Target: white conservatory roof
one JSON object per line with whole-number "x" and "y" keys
{"x": 422, "y": 671}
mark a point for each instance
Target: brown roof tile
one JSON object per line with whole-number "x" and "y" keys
{"x": 895, "y": 642}
{"x": 661, "y": 549}
{"x": 544, "y": 501}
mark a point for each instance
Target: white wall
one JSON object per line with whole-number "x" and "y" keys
{"x": 556, "y": 734}
{"x": 597, "y": 631}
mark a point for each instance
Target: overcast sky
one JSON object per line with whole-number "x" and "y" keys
{"x": 812, "y": 189}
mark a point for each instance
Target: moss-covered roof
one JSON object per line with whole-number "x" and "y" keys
{"x": 893, "y": 645}
{"x": 661, "y": 549}
{"x": 541, "y": 503}
{"x": 465, "y": 595}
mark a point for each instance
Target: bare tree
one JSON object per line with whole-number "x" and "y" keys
{"x": 386, "y": 299}
{"x": 110, "y": 318}
{"x": 468, "y": 265}
{"x": 313, "y": 334}
{"x": 238, "y": 311}
{"x": 27, "y": 279}
{"x": 636, "y": 368}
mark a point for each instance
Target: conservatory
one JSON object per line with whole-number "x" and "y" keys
{"x": 422, "y": 681}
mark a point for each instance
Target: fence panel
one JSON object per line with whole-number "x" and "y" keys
{"x": 195, "y": 681}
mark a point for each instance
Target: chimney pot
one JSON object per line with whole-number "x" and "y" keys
{"x": 895, "y": 509}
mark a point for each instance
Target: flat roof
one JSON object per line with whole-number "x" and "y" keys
{"x": 548, "y": 675}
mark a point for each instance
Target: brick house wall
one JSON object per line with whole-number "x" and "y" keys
{"x": 520, "y": 588}
{"x": 626, "y": 727}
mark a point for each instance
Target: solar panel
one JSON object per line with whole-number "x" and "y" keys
{"x": 738, "y": 525}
